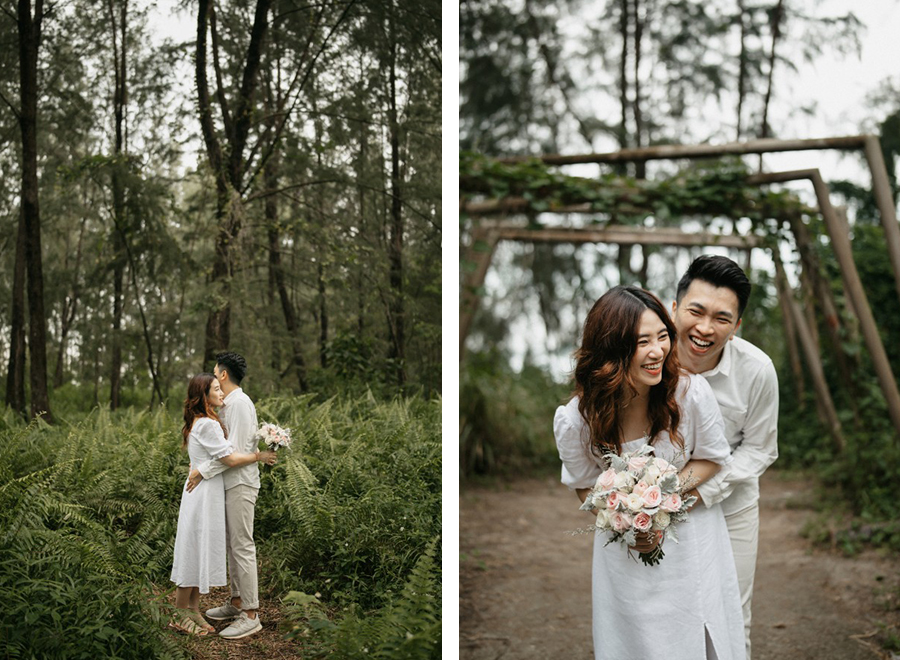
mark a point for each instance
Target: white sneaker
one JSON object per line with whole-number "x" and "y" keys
{"x": 224, "y": 613}
{"x": 243, "y": 626}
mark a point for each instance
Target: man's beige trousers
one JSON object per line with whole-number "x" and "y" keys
{"x": 743, "y": 528}
{"x": 240, "y": 505}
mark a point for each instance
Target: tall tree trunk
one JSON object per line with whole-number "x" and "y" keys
{"x": 276, "y": 273}
{"x": 323, "y": 315}
{"x": 15, "y": 377}
{"x": 70, "y": 309}
{"x": 395, "y": 251}
{"x": 228, "y": 171}
{"x": 640, "y": 167}
{"x": 361, "y": 192}
{"x": 624, "y": 12}
{"x": 119, "y": 29}
{"x": 777, "y": 16}
{"x": 742, "y": 68}
{"x": 29, "y": 28}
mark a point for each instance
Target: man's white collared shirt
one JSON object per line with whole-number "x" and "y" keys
{"x": 239, "y": 415}
{"x": 746, "y": 386}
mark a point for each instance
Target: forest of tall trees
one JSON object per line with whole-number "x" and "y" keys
{"x": 270, "y": 186}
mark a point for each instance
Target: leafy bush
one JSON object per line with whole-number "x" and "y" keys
{"x": 88, "y": 513}
{"x": 506, "y": 418}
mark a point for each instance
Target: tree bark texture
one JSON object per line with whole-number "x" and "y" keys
{"x": 228, "y": 166}
{"x": 29, "y": 28}
{"x": 15, "y": 376}
{"x": 396, "y": 308}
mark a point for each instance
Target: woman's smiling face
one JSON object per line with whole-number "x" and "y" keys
{"x": 653, "y": 345}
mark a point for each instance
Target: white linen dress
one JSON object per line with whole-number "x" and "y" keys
{"x": 688, "y": 606}
{"x": 199, "y": 559}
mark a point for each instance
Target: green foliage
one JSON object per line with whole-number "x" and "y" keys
{"x": 88, "y": 513}
{"x": 704, "y": 189}
{"x": 506, "y": 418}
{"x": 407, "y": 628}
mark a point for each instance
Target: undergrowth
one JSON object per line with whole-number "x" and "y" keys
{"x": 88, "y": 512}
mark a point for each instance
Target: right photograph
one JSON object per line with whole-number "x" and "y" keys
{"x": 679, "y": 330}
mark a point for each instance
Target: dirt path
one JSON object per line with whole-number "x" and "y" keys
{"x": 525, "y": 583}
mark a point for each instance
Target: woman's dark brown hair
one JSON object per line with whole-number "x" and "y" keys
{"x": 197, "y": 404}
{"x": 602, "y": 369}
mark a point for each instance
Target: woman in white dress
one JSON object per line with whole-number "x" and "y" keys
{"x": 630, "y": 391}
{"x": 199, "y": 561}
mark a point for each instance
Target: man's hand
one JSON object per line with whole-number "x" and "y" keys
{"x": 194, "y": 479}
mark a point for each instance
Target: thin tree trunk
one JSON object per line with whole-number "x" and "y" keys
{"x": 70, "y": 309}
{"x": 742, "y": 68}
{"x": 790, "y": 331}
{"x": 623, "y": 72}
{"x": 276, "y": 273}
{"x": 640, "y": 166}
{"x": 118, "y": 191}
{"x": 15, "y": 377}
{"x": 29, "y": 28}
{"x": 323, "y": 315}
{"x": 396, "y": 309}
{"x": 777, "y": 16}
{"x": 361, "y": 275}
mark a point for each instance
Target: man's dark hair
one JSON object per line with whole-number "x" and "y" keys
{"x": 234, "y": 364}
{"x": 720, "y": 272}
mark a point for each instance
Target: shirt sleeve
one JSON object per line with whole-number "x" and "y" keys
{"x": 578, "y": 470}
{"x": 759, "y": 443}
{"x": 211, "y": 437}
{"x": 707, "y": 426}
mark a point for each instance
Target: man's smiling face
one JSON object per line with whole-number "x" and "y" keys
{"x": 706, "y": 318}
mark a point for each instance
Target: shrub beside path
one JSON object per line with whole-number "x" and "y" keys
{"x": 525, "y": 583}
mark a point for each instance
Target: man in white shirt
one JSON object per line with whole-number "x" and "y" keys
{"x": 707, "y": 312}
{"x": 241, "y": 490}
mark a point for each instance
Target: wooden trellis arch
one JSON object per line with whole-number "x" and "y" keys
{"x": 484, "y": 239}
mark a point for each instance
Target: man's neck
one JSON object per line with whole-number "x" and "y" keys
{"x": 228, "y": 387}
{"x": 698, "y": 367}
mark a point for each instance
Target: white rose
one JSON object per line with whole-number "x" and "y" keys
{"x": 652, "y": 474}
{"x": 624, "y": 480}
{"x": 603, "y": 519}
{"x": 661, "y": 520}
{"x": 634, "y": 502}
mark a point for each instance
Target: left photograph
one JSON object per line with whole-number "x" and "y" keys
{"x": 220, "y": 329}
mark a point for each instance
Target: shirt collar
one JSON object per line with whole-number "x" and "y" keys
{"x": 231, "y": 395}
{"x": 724, "y": 366}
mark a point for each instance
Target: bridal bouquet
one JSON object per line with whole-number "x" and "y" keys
{"x": 274, "y": 436}
{"x": 638, "y": 493}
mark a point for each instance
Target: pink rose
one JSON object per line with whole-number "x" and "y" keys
{"x": 652, "y": 497}
{"x": 671, "y": 503}
{"x": 637, "y": 463}
{"x": 640, "y": 487}
{"x": 607, "y": 480}
{"x": 664, "y": 466}
{"x": 621, "y": 521}
{"x": 642, "y": 522}
{"x": 612, "y": 500}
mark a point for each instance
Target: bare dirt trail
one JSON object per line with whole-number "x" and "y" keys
{"x": 525, "y": 583}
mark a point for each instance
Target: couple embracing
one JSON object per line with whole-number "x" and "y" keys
{"x": 707, "y": 402}
{"x": 215, "y": 520}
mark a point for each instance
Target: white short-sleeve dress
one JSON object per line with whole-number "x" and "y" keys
{"x": 688, "y": 606}
{"x": 200, "y": 538}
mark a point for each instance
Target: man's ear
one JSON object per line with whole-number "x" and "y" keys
{"x": 674, "y": 307}
{"x": 734, "y": 332}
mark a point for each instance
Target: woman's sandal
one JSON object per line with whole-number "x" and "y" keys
{"x": 197, "y": 618}
{"x": 189, "y": 626}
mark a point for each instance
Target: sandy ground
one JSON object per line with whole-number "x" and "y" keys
{"x": 525, "y": 583}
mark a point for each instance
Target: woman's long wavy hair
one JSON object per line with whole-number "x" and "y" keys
{"x": 197, "y": 404}
{"x": 602, "y": 371}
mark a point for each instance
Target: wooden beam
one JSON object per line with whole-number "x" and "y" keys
{"x": 673, "y": 151}
{"x": 840, "y": 243}
{"x": 884, "y": 198}
{"x": 626, "y": 236}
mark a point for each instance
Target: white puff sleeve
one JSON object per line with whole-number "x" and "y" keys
{"x": 211, "y": 437}
{"x": 579, "y": 468}
{"x": 704, "y": 428}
